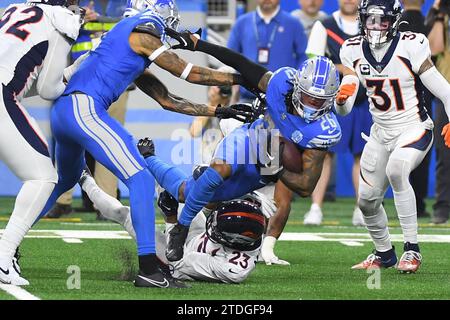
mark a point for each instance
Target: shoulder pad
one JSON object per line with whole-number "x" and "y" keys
{"x": 148, "y": 28}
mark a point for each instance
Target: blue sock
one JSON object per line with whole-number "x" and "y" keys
{"x": 142, "y": 191}
{"x": 201, "y": 193}
{"x": 168, "y": 176}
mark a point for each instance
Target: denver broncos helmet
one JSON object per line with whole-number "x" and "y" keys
{"x": 236, "y": 224}
{"x": 379, "y": 20}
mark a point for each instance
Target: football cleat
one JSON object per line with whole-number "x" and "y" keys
{"x": 159, "y": 279}
{"x": 11, "y": 276}
{"x": 175, "y": 245}
{"x": 410, "y": 262}
{"x": 374, "y": 261}
{"x": 84, "y": 175}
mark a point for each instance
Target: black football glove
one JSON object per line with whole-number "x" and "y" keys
{"x": 240, "y": 111}
{"x": 146, "y": 147}
{"x": 168, "y": 204}
{"x": 184, "y": 38}
{"x": 259, "y": 107}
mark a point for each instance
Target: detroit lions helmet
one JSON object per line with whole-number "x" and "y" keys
{"x": 236, "y": 224}
{"x": 167, "y": 9}
{"x": 315, "y": 87}
{"x": 379, "y": 20}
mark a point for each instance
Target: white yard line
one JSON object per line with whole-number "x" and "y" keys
{"x": 352, "y": 243}
{"x": 18, "y": 292}
{"x": 72, "y": 240}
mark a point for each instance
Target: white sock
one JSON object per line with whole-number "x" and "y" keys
{"x": 315, "y": 206}
{"x": 405, "y": 203}
{"x": 378, "y": 229}
{"x": 29, "y": 203}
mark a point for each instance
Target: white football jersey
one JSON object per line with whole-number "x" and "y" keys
{"x": 393, "y": 85}
{"x": 35, "y": 38}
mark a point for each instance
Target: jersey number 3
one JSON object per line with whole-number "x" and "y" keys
{"x": 16, "y": 28}
{"x": 378, "y": 85}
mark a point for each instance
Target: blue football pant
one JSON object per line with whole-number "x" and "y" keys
{"x": 81, "y": 123}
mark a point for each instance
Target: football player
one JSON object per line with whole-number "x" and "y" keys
{"x": 222, "y": 248}
{"x": 298, "y": 105}
{"x": 79, "y": 119}
{"x": 35, "y": 38}
{"x": 392, "y": 66}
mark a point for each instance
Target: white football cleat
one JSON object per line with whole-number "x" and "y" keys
{"x": 313, "y": 216}
{"x": 11, "y": 276}
{"x": 358, "y": 218}
{"x": 409, "y": 262}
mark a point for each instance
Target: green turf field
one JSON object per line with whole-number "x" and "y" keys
{"x": 319, "y": 269}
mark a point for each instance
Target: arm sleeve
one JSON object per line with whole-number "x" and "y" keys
{"x": 203, "y": 266}
{"x": 317, "y": 40}
{"x": 346, "y": 108}
{"x": 433, "y": 80}
{"x": 50, "y": 82}
{"x": 250, "y": 71}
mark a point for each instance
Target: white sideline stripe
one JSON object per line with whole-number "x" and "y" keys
{"x": 18, "y": 292}
{"x": 352, "y": 243}
{"x": 72, "y": 240}
{"x": 286, "y": 236}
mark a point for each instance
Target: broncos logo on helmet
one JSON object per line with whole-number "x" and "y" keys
{"x": 236, "y": 224}
{"x": 379, "y": 20}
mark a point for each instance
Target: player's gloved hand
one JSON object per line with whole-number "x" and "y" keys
{"x": 345, "y": 91}
{"x": 146, "y": 147}
{"x": 267, "y": 205}
{"x": 242, "y": 112}
{"x": 268, "y": 255}
{"x": 259, "y": 107}
{"x": 446, "y": 134}
{"x": 186, "y": 39}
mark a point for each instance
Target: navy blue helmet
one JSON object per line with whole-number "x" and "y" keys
{"x": 379, "y": 20}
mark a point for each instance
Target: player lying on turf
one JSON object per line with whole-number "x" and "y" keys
{"x": 35, "y": 39}
{"x": 392, "y": 66}
{"x": 223, "y": 247}
{"x": 274, "y": 192}
{"x": 79, "y": 119}
{"x": 298, "y": 107}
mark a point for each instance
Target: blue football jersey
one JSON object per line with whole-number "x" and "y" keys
{"x": 322, "y": 133}
{"x": 113, "y": 65}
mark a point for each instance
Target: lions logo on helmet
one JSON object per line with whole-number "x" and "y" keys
{"x": 236, "y": 224}
{"x": 315, "y": 87}
{"x": 166, "y": 9}
{"x": 379, "y": 20}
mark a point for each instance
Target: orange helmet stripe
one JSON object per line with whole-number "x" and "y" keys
{"x": 253, "y": 216}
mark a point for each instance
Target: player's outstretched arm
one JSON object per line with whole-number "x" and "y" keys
{"x": 433, "y": 80}
{"x": 255, "y": 75}
{"x": 150, "y": 46}
{"x": 154, "y": 88}
{"x": 304, "y": 183}
{"x": 346, "y": 96}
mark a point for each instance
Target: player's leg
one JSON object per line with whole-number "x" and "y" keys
{"x": 372, "y": 187}
{"x": 109, "y": 207}
{"x": 412, "y": 148}
{"x": 111, "y": 145}
{"x": 362, "y": 123}
{"x": 282, "y": 196}
{"x": 23, "y": 149}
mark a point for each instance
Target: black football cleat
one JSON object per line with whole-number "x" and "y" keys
{"x": 168, "y": 204}
{"x": 177, "y": 238}
{"x": 158, "y": 279}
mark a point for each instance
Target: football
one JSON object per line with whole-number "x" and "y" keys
{"x": 291, "y": 156}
